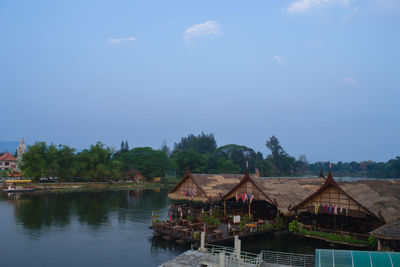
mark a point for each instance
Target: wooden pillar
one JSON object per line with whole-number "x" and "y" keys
{"x": 334, "y": 221}
{"x": 224, "y": 207}
{"x": 249, "y": 209}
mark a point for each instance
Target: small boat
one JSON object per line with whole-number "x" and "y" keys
{"x": 17, "y": 189}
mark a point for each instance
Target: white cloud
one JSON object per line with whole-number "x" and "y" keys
{"x": 130, "y": 39}
{"x": 114, "y": 41}
{"x": 301, "y": 6}
{"x": 349, "y": 81}
{"x": 117, "y": 41}
{"x": 278, "y": 59}
{"x": 207, "y": 28}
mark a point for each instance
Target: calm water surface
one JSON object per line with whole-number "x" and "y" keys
{"x": 109, "y": 228}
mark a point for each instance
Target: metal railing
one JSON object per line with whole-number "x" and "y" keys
{"x": 252, "y": 259}
{"x": 290, "y": 259}
{"x": 231, "y": 258}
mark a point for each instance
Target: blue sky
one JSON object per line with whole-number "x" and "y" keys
{"x": 321, "y": 75}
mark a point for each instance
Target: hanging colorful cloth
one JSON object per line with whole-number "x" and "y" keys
{"x": 334, "y": 209}
{"x": 251, "y": 198}
{"x": 326, "y": 208}
{"x": 237, "y": 196}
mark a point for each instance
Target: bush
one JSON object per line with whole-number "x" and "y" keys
{"x": 295, "y": 226}
{"x": 265, "y": 227}
{"x": 278, "y": 223}
{"x": 372, "y": 241}
{"x": 210, "y": 220}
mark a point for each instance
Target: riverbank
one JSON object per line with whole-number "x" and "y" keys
{"x": 90, "y": 186}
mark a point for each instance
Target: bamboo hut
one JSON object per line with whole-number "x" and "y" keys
{"x": 380, "y": 197}
{"x": 357, "y": 206}
{"x": 206, "y": 188}
{"x": 268, "y": 195}
{"x": 245, "y": 195}
{"x": 286, "y": 192}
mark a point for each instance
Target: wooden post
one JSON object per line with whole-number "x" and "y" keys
{"x": 224, "y": 207}
{"x": 334, "y": 221}
{"x": 249, "y": 210}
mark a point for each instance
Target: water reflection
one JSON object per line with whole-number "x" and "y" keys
{"x": 39, "y": 211}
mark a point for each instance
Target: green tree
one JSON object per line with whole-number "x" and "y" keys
{"x": 189, "y": 159}
{"x": 203, "y": 143}
{"x": 237, "y": 155}
{"x": 34, "y": 162}
{"x": 151, "y": 163}
{"x": 96, "y": 163}
{"x": 265, "y": 168}
{"x": 65, "y": 162}
{"x": 282, "y": 162}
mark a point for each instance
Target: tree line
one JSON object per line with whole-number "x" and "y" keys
{"x": 198, "y": 153}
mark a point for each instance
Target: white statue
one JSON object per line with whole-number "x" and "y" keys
{"x": 20, "y": 151}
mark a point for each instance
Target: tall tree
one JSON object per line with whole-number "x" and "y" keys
{"x": 151, "y": 163}
{"x": 282, "y": 162}
{"x": 34, "y": 162}
{"x": 164, "y": 148}
{"x": 189, "y": 159}
{"x": 203, "y": 143}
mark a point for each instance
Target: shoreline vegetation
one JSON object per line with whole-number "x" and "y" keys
{"x": 167, "y": 183}
{"x": 199, "y": 154}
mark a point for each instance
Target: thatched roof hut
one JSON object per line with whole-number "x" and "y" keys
{"x": 204, "y": 187}
{"x": 286, "y": 192}
{"x": 280, "y": 192}
{"x": 381, "y": 197}
{"x": 389, "y": 231}
{"x": 332, "y": 195}
{"x": 378, "y": 198}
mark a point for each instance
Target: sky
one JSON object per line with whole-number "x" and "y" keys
{"x": 321, "y": 75}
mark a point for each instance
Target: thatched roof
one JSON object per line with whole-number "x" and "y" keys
{"x": 287, "y": 192}
{"x": 388, "y": 231}
{"x": 329, "y": 182}
{"x": 381, "y": 197}
{"x": 211, "y": 186}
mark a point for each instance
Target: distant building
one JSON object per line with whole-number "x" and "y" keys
{"x": 135, "y": 175}
{"x": 8, "y": 161}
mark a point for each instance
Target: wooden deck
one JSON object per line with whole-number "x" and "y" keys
{"x": 190, "y": 233}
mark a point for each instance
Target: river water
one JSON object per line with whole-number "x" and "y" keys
{"x": 108, "y": 228}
